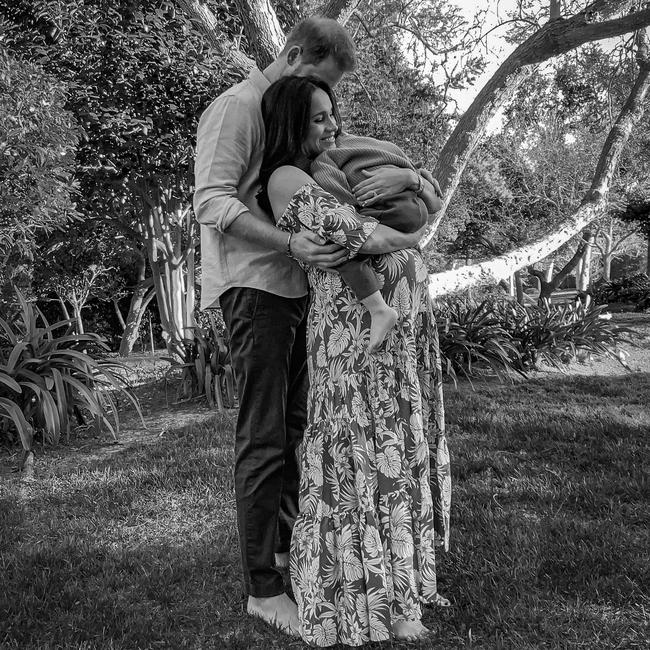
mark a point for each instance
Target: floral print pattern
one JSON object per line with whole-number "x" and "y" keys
{"x": 375, "y": 485}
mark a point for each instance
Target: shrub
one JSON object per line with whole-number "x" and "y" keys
{"x": 634, "y": 289}
{"x": 499, "y": 336}
{"x": 473, "y": 340}
{"x": 206, "y": 367}
{"x": 48, "y": 377}
{"x": 557, "y": 334}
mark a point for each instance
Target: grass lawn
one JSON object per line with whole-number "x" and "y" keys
{"x": 134, "y": 545}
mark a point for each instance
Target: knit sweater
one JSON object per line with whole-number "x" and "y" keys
{"x": 338, "y": 170}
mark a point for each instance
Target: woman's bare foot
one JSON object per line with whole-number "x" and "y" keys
{"x": 409, "y": 630}
{"x": 441, "y": 601}
{"x": 381, "y": 322}
{"x": 278, "y": 611}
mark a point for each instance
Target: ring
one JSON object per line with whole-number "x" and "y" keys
{"x": 374, "y": 194}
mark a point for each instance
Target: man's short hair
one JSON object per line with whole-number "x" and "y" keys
{"x": 321, "y": 38}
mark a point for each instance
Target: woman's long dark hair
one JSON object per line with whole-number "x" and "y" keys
{"x": 286, "y": 109}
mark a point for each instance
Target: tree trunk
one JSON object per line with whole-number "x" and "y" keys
{"x": 76, "y": 311}
{"x": 142, "y": 296}
{"x": 556, "y": 37}
{"x": 607, "y": 268}
{"x": 208, "y": 23}
{"x": 584, "y": 277}
{"x": 340, "y": 10}
{"x": 165, "y": 221}
{"x": 519, "y": 287}
{"x": 491, "y": 271}
{"x": 118, "y": 313}
{"x": 64, "y": 308}
{"x": 262, "y": 29}
{"x": 608, "y": 252}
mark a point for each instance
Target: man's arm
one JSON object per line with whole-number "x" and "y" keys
{"x": 305, "y": 245}
{"x": 226, "y": 140}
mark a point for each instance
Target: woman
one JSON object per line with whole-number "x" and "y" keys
{"x": 362, "y": 553}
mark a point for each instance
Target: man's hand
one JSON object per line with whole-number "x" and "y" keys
{"x": 428, "y": 176}
{"x": 382, "y": 183}
{"x": 309, "y": 247}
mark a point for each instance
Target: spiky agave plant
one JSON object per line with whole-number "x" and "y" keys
{"x": 49, "y": 377}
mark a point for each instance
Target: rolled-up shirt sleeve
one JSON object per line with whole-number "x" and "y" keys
{"x": 225, "y": 142}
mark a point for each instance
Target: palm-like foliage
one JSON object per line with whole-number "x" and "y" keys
{"x": 206, "y": 367}
{"x": 498, "y": 336}
{"x": 49, "y": 376}
{"x": 473, "y": 340}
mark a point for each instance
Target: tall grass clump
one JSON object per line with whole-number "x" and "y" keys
{"x": 498, "y": 336}
{"x": 473, "y": 340}
{"x": 50, "y": 378}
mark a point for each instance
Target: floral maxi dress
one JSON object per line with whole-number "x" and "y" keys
{"x": 375, "y": 484}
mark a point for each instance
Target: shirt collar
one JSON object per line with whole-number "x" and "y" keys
{"x": 257, "y": 78}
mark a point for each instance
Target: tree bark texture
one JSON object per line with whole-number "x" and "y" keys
{"x": 584, "y": 277}
{"x": 340, "y": 10}
{"x": 207, "y": 22}
{"x": 164, "y": 223}
{"x": 262, "y": 29}
{"x": 142, "y": 296}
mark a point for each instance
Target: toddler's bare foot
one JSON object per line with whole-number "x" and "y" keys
{"x": 381, "y": 323}
{"x": 409, "y": 630}
{"x": 278, "y": 611}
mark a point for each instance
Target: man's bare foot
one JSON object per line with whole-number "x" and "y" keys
{"x": 381, "y": 322}
{"x": 278, "y": 611}
{"x": 409, "y": 630}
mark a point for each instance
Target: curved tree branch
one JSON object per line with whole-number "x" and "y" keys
{"x": 340, "y": 10}
{"x": 556, "y": 37}
{"x": 593, "y": 205}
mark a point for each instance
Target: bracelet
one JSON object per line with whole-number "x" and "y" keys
{"x": 420, "y": 187}
{"x": 288, "y": 251}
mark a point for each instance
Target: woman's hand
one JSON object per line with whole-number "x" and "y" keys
{"x": 313, "y": 249}
{"x": 382, "y": 183}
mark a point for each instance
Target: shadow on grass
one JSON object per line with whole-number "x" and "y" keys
{"x": 549, "y": 536}
{"x": 550, "y": 511}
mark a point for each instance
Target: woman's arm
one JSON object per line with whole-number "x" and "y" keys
{"x": 387, "y": 240}
{"x": 306, "y": 246}
{"x": 286, "y": 181}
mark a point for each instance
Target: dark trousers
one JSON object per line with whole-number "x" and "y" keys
{"x": 268, "y": 349}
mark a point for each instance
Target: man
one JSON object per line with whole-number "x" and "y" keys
{"x": 262, "y": 292}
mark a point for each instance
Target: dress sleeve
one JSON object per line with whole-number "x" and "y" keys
{"x": 319, "y": 211}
